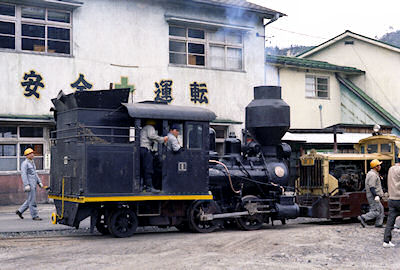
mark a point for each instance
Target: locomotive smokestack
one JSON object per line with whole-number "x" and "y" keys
{"x": 267, "y": 116}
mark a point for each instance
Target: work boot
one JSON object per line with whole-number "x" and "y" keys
{"x": 388, "y": 245}
{"x": 362, "y": 221}
{"x": 37, "y": 218}
{"x": 153, "y": 190}
{"x": 19, "y": 214}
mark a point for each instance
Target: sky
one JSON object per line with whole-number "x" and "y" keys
{"x": 311, "y": 22}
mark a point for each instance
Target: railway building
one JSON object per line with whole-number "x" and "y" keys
{"x": 202, "y": 53}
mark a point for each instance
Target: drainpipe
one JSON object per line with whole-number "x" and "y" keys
{"x": 276, "y": 17}
{"x": 320, "y": 114}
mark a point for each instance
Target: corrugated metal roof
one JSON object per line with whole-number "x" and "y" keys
{"x": 325, "y": 137}
{"x": 306, "y": 63}
{"x": 243, "y": 4}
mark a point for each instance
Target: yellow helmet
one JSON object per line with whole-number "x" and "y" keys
{"x": 151, "y": 122}
{"x": 375, "y": 163}
{"x": 28, "y": 151}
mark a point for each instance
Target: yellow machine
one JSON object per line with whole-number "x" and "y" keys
{"x": 331, "y": 185}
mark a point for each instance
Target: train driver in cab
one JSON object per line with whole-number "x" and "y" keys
{"x": 148, "y": 137}
{"x": 173, "y": 143}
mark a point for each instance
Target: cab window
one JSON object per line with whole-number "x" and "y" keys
{"x": 372, "y": 148}
{"x": 194, "y": 136}
{"x": 362, "y": 149}
{"x": 386, "y": 148}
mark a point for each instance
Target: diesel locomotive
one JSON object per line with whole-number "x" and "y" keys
{"x": 95, "y": 165}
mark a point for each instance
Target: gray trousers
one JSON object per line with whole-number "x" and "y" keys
{"x": 394, "y": 212}
{"x": 30, "y": 203}
{"x": 376, "y": 211}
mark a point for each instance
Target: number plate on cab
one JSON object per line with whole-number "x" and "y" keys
{"x": 307, "y": 162}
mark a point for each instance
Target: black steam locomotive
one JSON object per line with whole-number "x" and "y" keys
{"x": 95, "y": 161}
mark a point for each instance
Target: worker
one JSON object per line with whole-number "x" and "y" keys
{"x": 30, "y": 179}
{"x": 148, "y": 137}
{"x": 173, "y": 143}
{"x": 394, "y": 203}
{"x": 374, "y": 193}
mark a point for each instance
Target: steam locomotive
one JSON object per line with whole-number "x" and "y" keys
{"x": 95, "y": 161}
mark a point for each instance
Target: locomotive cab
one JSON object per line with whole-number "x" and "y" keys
{"x": 183, "y": 171}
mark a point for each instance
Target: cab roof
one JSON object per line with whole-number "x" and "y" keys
{"x": 168, "y": 112}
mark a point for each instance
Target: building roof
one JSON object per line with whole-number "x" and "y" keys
{"x": 326, "y": 138}
{"x": 372, "y": 103}
{"x": 45, "y": 118}
{"x": 309, "y": 64}
{"x": 348, "y": 33}
{"x": 243, "y": 4}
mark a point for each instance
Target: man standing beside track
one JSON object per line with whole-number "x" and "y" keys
{"x": 374, "y": 192}
{"x": 394, "y": 203}
{"x": 30, "y": 179}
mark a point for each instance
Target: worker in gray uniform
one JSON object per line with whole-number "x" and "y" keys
{"x": 30, "y": 179}
{"x": 374, "y": 193}
{"x": 173, "y": 143}
{"x": 148, "y": 137}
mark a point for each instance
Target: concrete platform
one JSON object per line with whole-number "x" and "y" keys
{"x": 11, "y": 223}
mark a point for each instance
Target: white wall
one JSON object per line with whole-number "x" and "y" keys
{"x": 304, "y": 112}
{"x": 381, "y": 81}
{"x": 110, "y": 34}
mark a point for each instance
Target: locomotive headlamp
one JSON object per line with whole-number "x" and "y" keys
{"x": 279, "y": 171}
{"x": 376, "y": 128}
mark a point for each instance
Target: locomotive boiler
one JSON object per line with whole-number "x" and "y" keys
{"x": 95, "y": 171}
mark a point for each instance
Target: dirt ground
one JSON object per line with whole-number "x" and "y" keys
{"x": 300, "y": 244}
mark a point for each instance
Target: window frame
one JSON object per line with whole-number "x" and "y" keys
{"x": 208, "y": 43}
{"x": 315, "y": 84}
{"x": 10, "y": 19}
{"x": 226, "y": 45}
{"x": 19, "y": 21}
{"x": 188, "y": 40}
{"x": 18, "y": 141}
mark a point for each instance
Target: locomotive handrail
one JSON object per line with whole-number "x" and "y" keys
{"x": 82, "y": 132}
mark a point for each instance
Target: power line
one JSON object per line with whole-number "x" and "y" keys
{"x": 297, "y": 33}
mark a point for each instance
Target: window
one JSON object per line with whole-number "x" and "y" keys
{"x": 8, "y": 132}
{"x": 372, "y": 148}
{"x": 194, "y": 136}
{"x": 38, "y": 151}
{"x": 317, "y": 87}
{"x": 34, "y": 132}
{"x": 191, "y": 47}
{"x": 225, "y": 50}
{"x": 8, "y": 157}
{"x": 14, "y": 140}
{"x": 39, "y": 29}
{"x": 7, "y": 26}
{"x": 386, "y": 148}
{"x": 221, "y": 133}
{"x": 187, "y": 46}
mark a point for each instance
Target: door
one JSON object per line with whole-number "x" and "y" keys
{"x": 186, "y": 171}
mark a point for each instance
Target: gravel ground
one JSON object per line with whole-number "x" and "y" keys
{"x": 300, "y": 244}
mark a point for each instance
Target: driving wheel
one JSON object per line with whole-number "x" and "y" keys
{"x": 199, "y": 209}
{"x": 253, "y": 221}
